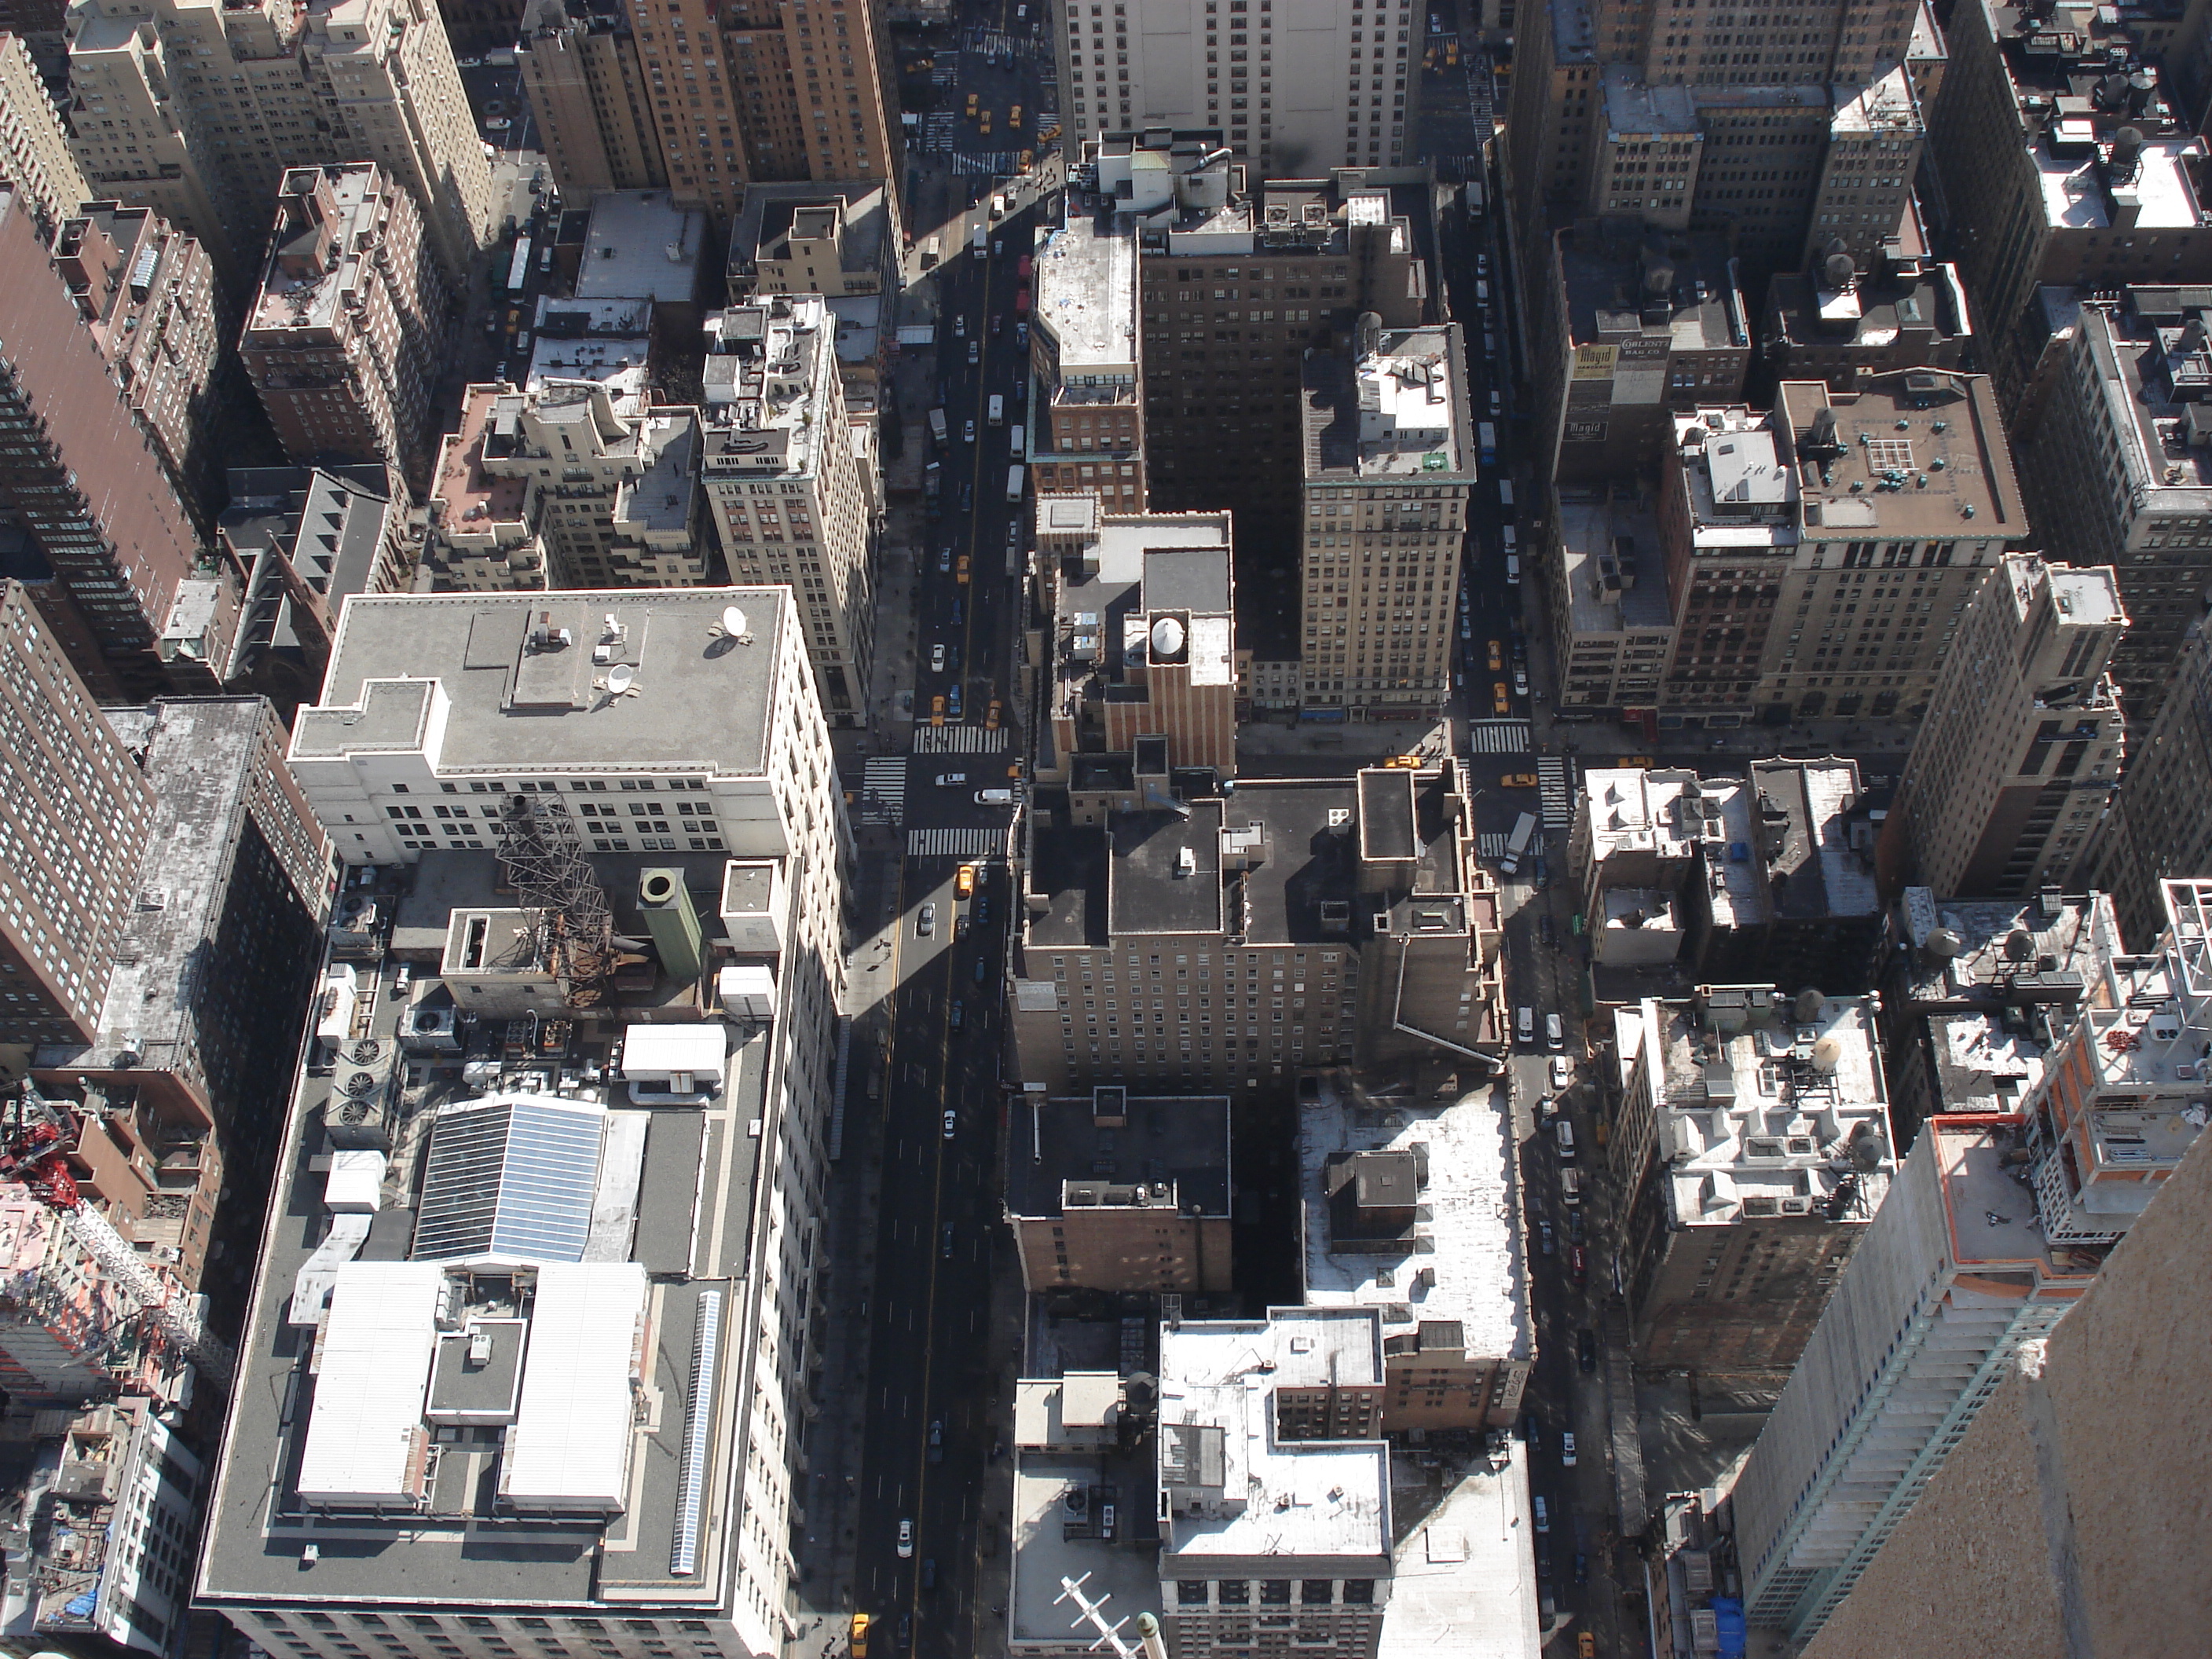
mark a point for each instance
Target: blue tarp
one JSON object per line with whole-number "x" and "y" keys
{"x": 1728, "y": 1621}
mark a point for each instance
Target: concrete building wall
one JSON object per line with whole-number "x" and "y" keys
{"x": 2051, "y": 1529}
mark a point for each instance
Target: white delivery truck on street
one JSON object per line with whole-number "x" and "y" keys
{"x": 1516, "y": 844}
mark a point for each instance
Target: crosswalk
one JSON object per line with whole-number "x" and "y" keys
{"x": 996, "y": 44}
{"x": 883, "y": 790}
{"x": 1490, "y": 845}
{"x": 959, "y": 740}
{"x": 1498, "y": 737}
{"x": 955, "y": 843}
{"x": 1555, "y": 787}
{"x": 995, "y": 163}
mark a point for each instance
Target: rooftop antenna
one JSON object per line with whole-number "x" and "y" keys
{"x": 540, "y": 853}
{"x": 1109, "y": 1635}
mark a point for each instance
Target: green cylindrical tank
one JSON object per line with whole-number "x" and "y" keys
{"x": 673, "y": 921}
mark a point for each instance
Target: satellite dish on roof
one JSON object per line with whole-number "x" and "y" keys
{"x": 733, "y": 620}
{"x": 1827, "y": 1053}
{"x": 621, "y": 678}
{"x": 1167, "y": 638}
{"x": 1943, "y": 944}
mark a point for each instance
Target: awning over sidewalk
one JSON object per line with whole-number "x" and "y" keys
{"x": 917, "y": 334}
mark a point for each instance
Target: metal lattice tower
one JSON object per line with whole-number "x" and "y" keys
{"x": 543, "y": 856}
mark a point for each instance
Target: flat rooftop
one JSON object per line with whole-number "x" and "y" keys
{"x": 2156, "y": 374}
{"x": 1465, "y": 1237}
{"x": 1766, "y": 1108}
{"x": 2043, "y": 946}
{"x": 458, "y": 677}
{"x": 1056, "y": 1149}
{"x": 768, "y": 385}
{"x": 607, "y": 341}
{"x": 641, "y": 246}
{"x": 1993, "y": 1223}
{"x": 1627, "y": 597}
{"x": 1058, "y": 1521}
{"x": 1464, "y": 1577}
{"x": 469, "y": 499}
{"x": 1677, "y": 288}
{"x": 764, "y": 222}
{"x": 1400, "y": 412}
{"x": 1922, "y": 454}
{"x": 1879, "y": 309}
{"x": 691, "y": 1174}
{"x": 1240, "y": 1494}
{"x": 1086, "y": 295}
{"x": 288, "y": 301}
{"x": 1821, "y": 870}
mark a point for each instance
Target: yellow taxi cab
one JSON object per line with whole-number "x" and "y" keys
{"x": 1497, "y": 657}
{"x": 1498, "y": 699}
{"x": 984, "y": 126}
{"x": 1518, "y": 781}
{"x": 960, "y": 570}
{"x": 1014, "y": 116}
{"x": 972, "y": 101}
{"x": 937, "y": 710}
{"x": 1406, "y": 762}
{"x": 1644, "y": 760}
{"x": 1049, "y": 134}
{"x": 964, "y": 882}
{"x": 990, "y": 716}
{"x": 1029, "y": 160}
{"x": 860, "y": 1635}
{"x": 1585, "y": 1645}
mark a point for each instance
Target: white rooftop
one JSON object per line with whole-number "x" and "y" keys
{"x": 1276, "y": 1501}
{"x": 1764, "y": 1108}
{"x": 367, "y": 1445}
{"x": 1086, "y": 295}
{"x": 570, "y": 1447}
{"x": 641, "y": 246}
{"x": 1467, "y": 1201}
{"x": 1463, "y": 1584}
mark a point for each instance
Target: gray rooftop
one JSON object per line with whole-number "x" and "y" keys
{"x": 691, "y": 1231}
{"x": 702, "y": 699}
{"x": 765, "y": 217}
{"x": 1677, "y": 288}
{"x": 1400, "y": 414}
{"x": 1181, "y": 1139}
{"x": 640, "y": 247}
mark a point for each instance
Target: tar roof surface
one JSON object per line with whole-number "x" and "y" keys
{"x": 1183, "y": 1139}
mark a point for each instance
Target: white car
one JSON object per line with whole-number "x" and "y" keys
{"x": 952, "y": 1124}
{"x": 937, "y": 659}
{"x": 951, "y": 780}
{"x": 906, "y": 1540}
{"x": 1567, "y": 1448}
{"x": 1563, "y": 1071}
{"x": 1521, "y": 680}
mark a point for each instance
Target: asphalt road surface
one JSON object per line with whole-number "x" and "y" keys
{"x": 940, "y": 1239}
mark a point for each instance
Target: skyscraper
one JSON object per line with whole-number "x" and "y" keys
{"x": 32, "y": 141}
{"x": 200, "y": 116}
{"x": 1621, "y": 108}
{"x": 70, "y": 838}
{"x": 90, "y": 486}
{"x": 1296, "y": 87}
{"x": 1996, "y": 1223}
{"x": 2015, "y": 764}
{"x": 346, "y": 333}
{"x": 2157, "y": 827}
{"x": 586, "y": 87}
{"x": 1389, "y": 462}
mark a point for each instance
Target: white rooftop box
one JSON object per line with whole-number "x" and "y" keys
{"x": 367, "y": 1445}
{"x": 569, "y": 1448}
{"x": 675, "y": 1065}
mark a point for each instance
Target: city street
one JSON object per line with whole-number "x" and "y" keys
{"x": 928, "y": 1391}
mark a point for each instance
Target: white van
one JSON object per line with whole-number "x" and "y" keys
{"x": 1482, "y": 293}
{"x": 1570, "y": 1186}
{"x": 1506, "y": 494}
{"x": 1524, "y": 1022}
{"x": 1543, "y": 1515}
{"x": 1555, "y": 1036}
{"x": 1512, "y": 571}
{"x": 1509, "y": 536}
{"x": 1565, "y": 1131}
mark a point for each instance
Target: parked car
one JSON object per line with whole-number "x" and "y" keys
{"x": 926, "y": 923}
{"x": 1582, "y": 1571}
{"x": 1544, "y": 1236}
{"x": 1578, "y": 1263}
{"x": 1562, "y": 1069}
{"x": 1586, "y": 1350}
{"x": 1521, "y": 680}
{"x": 1543, "y": 1513}
{"x": 1567, "y": 1450}
{"x": 1555, "y": 1033}
{"x": 937, "y": 658}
